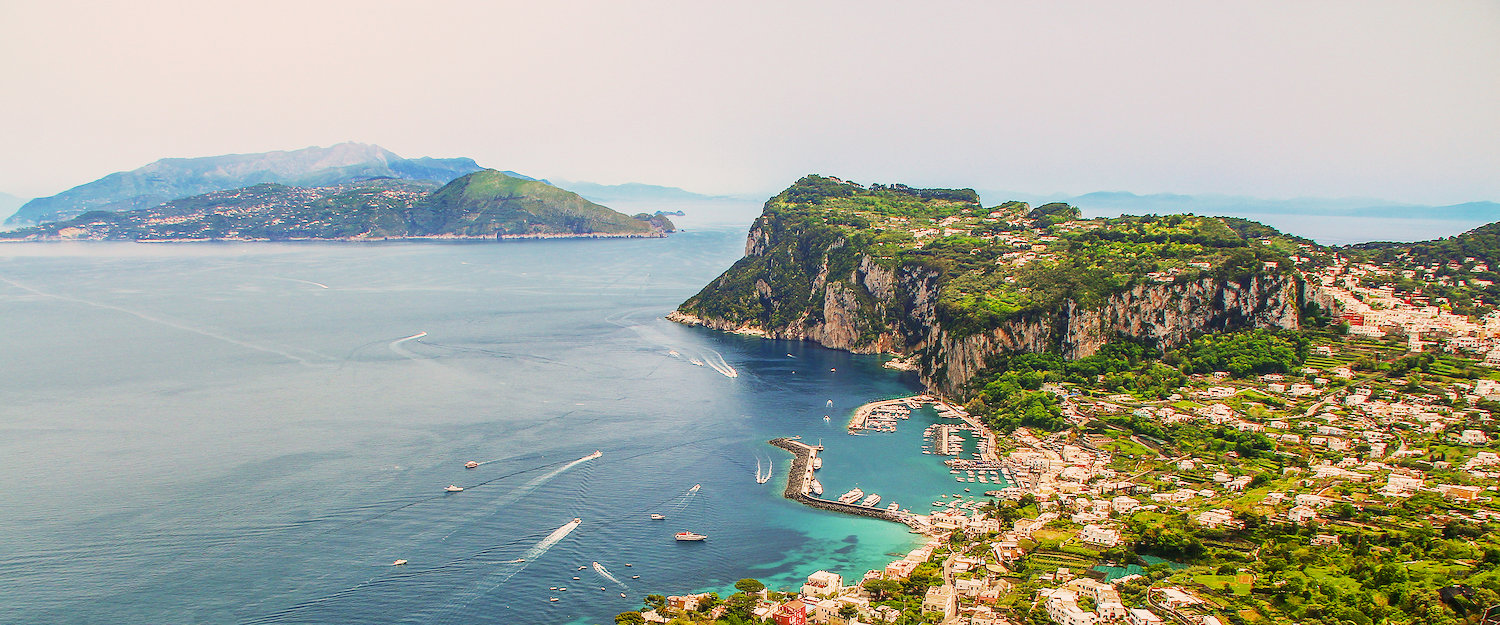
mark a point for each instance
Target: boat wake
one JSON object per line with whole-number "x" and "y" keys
{"x": 316, "y": 284}
{"x": 716, "y": 362}
{"x": 599, "y": 568}
{"x": 525, "y": 489}
{"x": 453, "y": 611}
{"x": 402, "y": 351}
{"x": 762, "y": 478}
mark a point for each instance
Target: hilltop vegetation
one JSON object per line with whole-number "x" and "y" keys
{"x": 993, "y": 264}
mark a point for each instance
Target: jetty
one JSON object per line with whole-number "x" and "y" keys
{"x": 799, "y": 485}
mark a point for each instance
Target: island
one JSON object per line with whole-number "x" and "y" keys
{"x": 482, "y": 205}
{"x": 1179, "y": 419}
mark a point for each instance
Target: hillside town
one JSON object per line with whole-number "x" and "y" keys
{"x": 1267, "y": 492}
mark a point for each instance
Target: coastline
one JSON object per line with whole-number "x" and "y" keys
{"x": 435, "y": 237}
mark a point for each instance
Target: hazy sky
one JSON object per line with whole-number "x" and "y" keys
{"x": 1398, "y": 100}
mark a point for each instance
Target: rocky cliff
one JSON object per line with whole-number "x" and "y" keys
{"x": 807, "y": 275}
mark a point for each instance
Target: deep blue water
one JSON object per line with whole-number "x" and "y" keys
{"x": 249, "y": 434}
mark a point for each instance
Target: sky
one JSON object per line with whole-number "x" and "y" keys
{"x": 1391, "y": 100}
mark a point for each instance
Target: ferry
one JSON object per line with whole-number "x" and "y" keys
{"x": 689, "y": 536}
{"x": 453, "y": 488}
{"x": 398, "y": 563}
{"x": 471, "y": 465}
{"x": 851, "y": 496}
{"x": 657, "y": 517}
{"x": 870, "y": 501}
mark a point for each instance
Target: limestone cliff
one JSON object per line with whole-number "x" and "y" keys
{"x": 812, "y": 271}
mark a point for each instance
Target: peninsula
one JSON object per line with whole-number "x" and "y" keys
{"x": 1186, "y": 419}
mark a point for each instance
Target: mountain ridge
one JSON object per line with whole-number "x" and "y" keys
{"x": 168, "y": 179}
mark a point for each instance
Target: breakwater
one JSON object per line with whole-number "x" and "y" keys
{"x": 799, "y": 478}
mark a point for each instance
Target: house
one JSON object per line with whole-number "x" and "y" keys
{"x": 900, "y": 569}
{"x": 1216, "y": 518}
{"x": 941, "y": 599}
{"x": 1097, "y": 535}
{"x": 822, "y": 584}
{"x": 1323, "y": 540}
{"x": 1461, "y": 493}
{"x": 1473, "y": 437}
{"x": 1062, "y": 606}
{"x": 793, "y": 612}
{"x": 684, "y": 603}
{"x": 1142, "y": 616}
{"x": 1301, "y": 514}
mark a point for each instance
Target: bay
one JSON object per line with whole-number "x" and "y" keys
{"x": 254, "y": 433}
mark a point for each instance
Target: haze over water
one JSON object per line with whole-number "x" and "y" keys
{"x": 254, "y": 433}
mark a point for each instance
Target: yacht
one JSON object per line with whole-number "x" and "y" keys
{"x": 398, "y": 563}
{"x": 471, "y": 465}
{"x": 689, "y": 536}
{"x": 657, "y": 517}
{"x": 453, "y": 488}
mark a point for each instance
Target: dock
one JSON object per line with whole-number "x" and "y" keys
{"x": 799, "y": 485}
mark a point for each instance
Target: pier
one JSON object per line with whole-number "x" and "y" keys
{"x": 799, "y": 483}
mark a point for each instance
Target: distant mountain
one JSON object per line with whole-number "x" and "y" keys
{"x": 9, "y": 203}
{"x": 485, "y": 204}
{"x": 174, "y": 178}
{"x": 632, "y": 192}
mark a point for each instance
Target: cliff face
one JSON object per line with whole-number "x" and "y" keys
{"x": 805, "y": 280}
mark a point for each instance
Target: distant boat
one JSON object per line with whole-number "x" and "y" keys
{"x": 553, "y": 599}
{"x": 471, "y": 465}
{"x": 594, "y": 455}
{"x": 695, "y": 488}
{"x": 635, "y": 577}
{"x": 830, "y": 402}
{"x": 622, "y": 595}
{"x": 454, "y": 489}
{"x": 398, "y": 563}
{"x": 657, "y": 517}
{"x": 689, "y": 536}
{"x": 627, "y": 564}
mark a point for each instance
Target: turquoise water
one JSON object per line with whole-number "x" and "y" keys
{"x": 254, "y": 433}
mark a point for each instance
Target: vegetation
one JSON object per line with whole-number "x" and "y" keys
{"x": 487, "y": 203}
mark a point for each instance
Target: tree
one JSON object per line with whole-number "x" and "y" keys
{"x": 749, "y": 585}
{"x": 848, "y": 611}
{"x": 629, "y": 618}
{"x": 656, "y": 602}
{"x": 882, "y": 588}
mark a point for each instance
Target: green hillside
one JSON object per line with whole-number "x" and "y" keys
{"x": 489, "y": 203}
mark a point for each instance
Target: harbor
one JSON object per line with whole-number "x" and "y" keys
{"x": 799, "y": 486}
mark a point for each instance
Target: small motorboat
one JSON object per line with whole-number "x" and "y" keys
{"x": 627, "y": 564}
{"x": 657, "y": 517}
{"x": 553, "y": 599}
{"x": 582, "y": 568}
{"x": 471, "y": 465}
{"x": 635, "y": 577}
{"x": 575, "y": 577}
{"x": 453, "y": 488}
{"x": 398, "y": 563}
{"x": 622, "y": 595}
{"x": 601, "y": 588}
{"x": 689, "y": 536}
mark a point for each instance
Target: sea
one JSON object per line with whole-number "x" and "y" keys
{"x": 256, "y": 432}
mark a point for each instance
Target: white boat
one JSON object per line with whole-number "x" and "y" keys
{"x": 471, "y": 465}
{"x": 817, "y": 488}
{"x": 870, "y": 501}
{"x": 657, "y": 517}
{"x": 553, "y": 599}
{"x": 892, "y": 507}
{"x": 689, "y": 536}
{"x": 635, "y": 577}
{"x": 851, "y": 496}
{"x": 594, "y": 455}
{"x": 398, "y": 563}
{"x": 817, "y": 462}
{"x": 622, "y": 595}
{"x": 453, "y": 488}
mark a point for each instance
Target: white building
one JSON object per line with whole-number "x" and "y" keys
{"x": 822, "y": 584}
